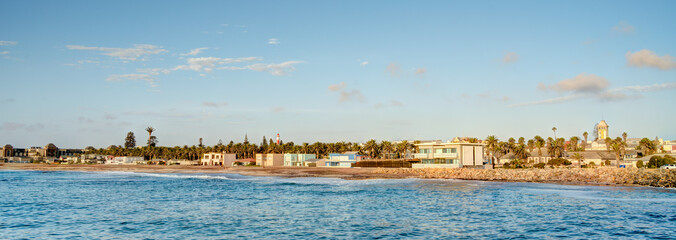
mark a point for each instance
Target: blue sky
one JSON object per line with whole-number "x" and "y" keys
{"x": 79, "y": 73}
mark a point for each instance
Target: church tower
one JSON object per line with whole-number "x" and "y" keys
{"x": 602, "y": 130}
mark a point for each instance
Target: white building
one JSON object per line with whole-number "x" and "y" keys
{"x": 449, "y": 154}
{"x": 125, "y": 160}
{"x": 297, "y": 160}
{"x": 218, "y": 159}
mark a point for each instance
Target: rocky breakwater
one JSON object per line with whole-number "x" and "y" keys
{"x": 602, "y": 176}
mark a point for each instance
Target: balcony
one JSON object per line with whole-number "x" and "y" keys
{"x": 445, "y": 155}
{"x": 422, "y": 155}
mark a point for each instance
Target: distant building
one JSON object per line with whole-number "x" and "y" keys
{"x": 602, "y": 130}
{"x": 218, "y": 159}
{"x": 297, "y": 160}
{"x": 48, "y": 153}
{"x": 449, "y": 154}
{"x": 342, "y": 159}
{"x": 125, "y": 160}
{"x": 269, "y": 159}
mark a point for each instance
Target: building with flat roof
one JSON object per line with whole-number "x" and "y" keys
{"x": 218, "y": 159}
{"x": 342, "y": 159}
{"x": 269, "y": 159}
{"x": 449, "y": 154}
{"x": 297, "y": 159}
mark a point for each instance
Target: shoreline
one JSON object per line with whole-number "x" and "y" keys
{"x": 562, "y": 176}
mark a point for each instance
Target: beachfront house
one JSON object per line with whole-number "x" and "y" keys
{"x": 218, "y": 159}
{"x": 457, "y": 154}
{"x": 342, "y": 159}
{"x": 297, "y": 159}
{"x": 124, "y": 160}
{"x": 269, "y": 159}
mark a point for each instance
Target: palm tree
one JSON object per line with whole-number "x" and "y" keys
{"x": 554, "y": 129}
{"x": 491, "y": 144}
{"x": 585, "y": 135}
{"x": 573, "y": 143}
{"x": 531, "y": 145}
{"x": 624, "y": 137}
{"x": 386, "y": 148}
{"x": 401, "y": 148}
{"x": 579, "y": 158}
{"x": 617, "y": 146}
{"x": 539, "y": 143}
{"x": 150, "y": 131}
{"x": 371, "y": 147}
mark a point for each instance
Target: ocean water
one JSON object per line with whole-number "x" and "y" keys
{"x": 118, "y": 205}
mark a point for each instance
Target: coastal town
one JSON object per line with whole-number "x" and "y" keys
{"x": 459, "y": 152}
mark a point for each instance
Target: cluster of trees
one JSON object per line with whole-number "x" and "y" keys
{"x": 556, "y": 148}
{"x": 372, "y": 148}
{"x": 521, "y": 149}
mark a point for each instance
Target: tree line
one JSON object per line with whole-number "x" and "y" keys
{"x": 245, "y": 149}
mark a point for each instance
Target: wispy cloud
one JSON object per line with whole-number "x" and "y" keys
{"x": 8, "y": 43}
{"x": 337, "y": 87}
{"x": 277, "y": 69}
{"x": 623, "y": 27}
{"x": 194, "y": 52}
{"x": 354, "y": 94}
{"x": 616, "y": 94}
{"x": 364, "y": 63}
{"x": 4, "y": 52}
{"x": 278, "y": 109}
{"x": 421, "y": 71}
{"x": 273, "y": 41}
{"x": 138, "y": 52}
{"x": 510, "y": 57}
{"x": 109, "y": 117}
{"x": 133, "y": 76}
{"x": 208, "y": 64}
{"x": 394, "y": 69}
{"x": 581, "y": 83}
{"x": 392, "y": 103}
{"x": 214, "y": 104}
{"x": 647, "y": 58}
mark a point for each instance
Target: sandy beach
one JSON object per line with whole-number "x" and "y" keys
{"x": 572, "y": 176}
{"x": 344, "y": 173}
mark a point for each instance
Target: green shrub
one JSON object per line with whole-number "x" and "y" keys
{"x": 591, "y": 165}
{"x": 539, "y": 165}
{"x": 639, "y": 164}
{"x": 558, "y": 162}
{"x": 657, "y": 161}
{"x": 607, "y": 162}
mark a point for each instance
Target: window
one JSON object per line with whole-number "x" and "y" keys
{"x": 425, "y": 150}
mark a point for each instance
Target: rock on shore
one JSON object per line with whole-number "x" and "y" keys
{"x": 605, "y": 176}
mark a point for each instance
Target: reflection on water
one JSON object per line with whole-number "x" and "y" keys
{"x": 147, "y": 205}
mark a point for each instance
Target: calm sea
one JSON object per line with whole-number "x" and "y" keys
{"x": 116, "y": 205}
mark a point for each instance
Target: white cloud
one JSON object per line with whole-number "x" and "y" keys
{"x": 647, "y": 58}
{"x": 208, "y": 64}
{"x": 616, "y": 94}
{"x": 154, "y": 71}
{"x": 194, "y": 52}
{"x": 134, "y": 76}
{"x": 364, "y": 63}
{"x": 421, "y": 71}
{"x": 7, "y": 43}
{"x": 4, "y": 52}
{"x": 510, "y": 57}
{"x": 278, "y": 69}
{"x": 225, "y": 25}
{"x": 582, "y": 83}
{"x": 336, "y": 87}
{"x": 623, "y": 27}
{"x": 351, "y": 95}
{"x": 214, "y": 104}
{"x": 135, "y": 53}
{"x": 273, "y": 41}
